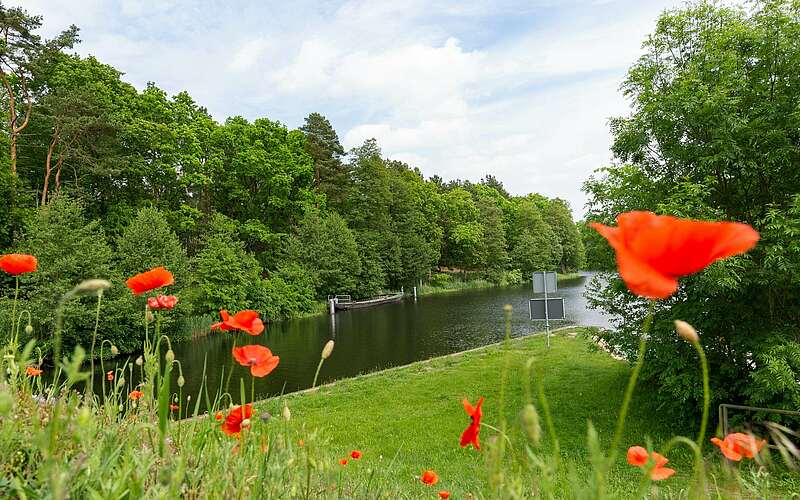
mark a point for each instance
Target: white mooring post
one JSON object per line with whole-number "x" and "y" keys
{"x": 332, "y": 305}
{"x": 415, "y": 293}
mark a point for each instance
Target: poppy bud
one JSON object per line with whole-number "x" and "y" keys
{"x": 149, "y": 316}
{"x": 139, "y": 361}
{"x": 686, "y": 331}
{"x": 327, "y": 350}
{"x": 508, "y": 308}
{"x": 91, "y": 287}
{"x": 114, "y": 350}
{"x": 286, "y": 413}
{"x": 181, "y": 381}
{"x": 265, "y": 416}
{"x": 530, "y": 423}
{"x": 245, "y": 423}
{"x": 29, "y": 329}
{"x": 121, "y": 381}
{"x": 170, "y": 356}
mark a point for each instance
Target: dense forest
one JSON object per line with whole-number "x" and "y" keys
{"x": 100, "y": 179}
{"x": 714, "y": 134}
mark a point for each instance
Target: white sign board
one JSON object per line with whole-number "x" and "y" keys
{"x": 546, "y": 279}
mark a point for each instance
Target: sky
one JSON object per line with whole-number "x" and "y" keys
{"x": 522, "y": 90}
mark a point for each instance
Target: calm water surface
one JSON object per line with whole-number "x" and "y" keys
{"x": 376, "y": 338}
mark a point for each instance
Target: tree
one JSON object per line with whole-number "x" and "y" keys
{"x": 21, "y": 52}
{"x": 327, "y": 250}
{"x": 494, "y": 234}
{"x": 558, "y": 216}
{"x": 322, "y": 144}
{"x": 714, "y": 134}
{"x": 534, "y": 245}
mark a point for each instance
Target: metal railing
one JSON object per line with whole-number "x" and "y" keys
{"x": 723, "y": 414}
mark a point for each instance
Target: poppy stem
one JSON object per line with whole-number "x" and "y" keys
{"x": 15, "y": 328}
{"x": 90, "y": 388}
{"x": 623, "y": 412}
{"x": 319, "y": 366}
{"x": 706, "y": 394}
{"x": 510, "y": 444}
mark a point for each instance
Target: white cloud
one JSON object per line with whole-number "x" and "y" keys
{"x": 518, "y": 89}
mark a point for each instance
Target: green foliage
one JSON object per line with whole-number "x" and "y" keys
{"x": 148, "y": 242}
{"x": 288, "y": 293}
{"x": 71, "y": 249}
{"x": 714, "y": 134}
{"x": 327, "y": 250}
{"x": 226, "y": 275}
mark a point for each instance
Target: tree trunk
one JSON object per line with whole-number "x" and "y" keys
{"x": 48, "y": 168}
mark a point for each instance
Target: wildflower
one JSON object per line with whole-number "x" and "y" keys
{"x": 245, "y": 423}
{"x": 301, "y": 443}
{"x": 139, "y": 361}
{"x": 355, "y": 455}
{"x": 162, "y": 302}
{"x": 257, "y": 357}
{"x": 738, "y": 445}
{"x": 110, "y": 375}
{"x": 134, "y": 395}
{"x": 287, "y": 415}
{"x": 174, "y": 407}
{"x": 232, "y": 425}
{"x": 246, "y": 321}
{"x": 327, "y": 350}
{"x": 444, "y": 494}
{"x": 343, "y": 461}
{"x": 218, "y": 416}
{"x": 32, "y": 372}
{"x": 114, "y": 350}
{"x": 18, "y": 263}
{"x": 638, "y": 456}
{"x": 429, "y": 477}
{"x": 150, "y": 280}
{"x": 653, "y": 251}
{"x": 470, "y": 434}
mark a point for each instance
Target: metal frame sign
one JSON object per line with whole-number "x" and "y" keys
{"x": 554, "y": 308}
{"x": 545, "y": 282}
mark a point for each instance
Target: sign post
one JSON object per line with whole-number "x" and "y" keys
{"x": 548, "y": 307}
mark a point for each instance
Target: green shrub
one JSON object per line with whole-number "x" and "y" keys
{"x": 71, "y": 249}
{"x": 226, "y": 276}
{"x": 288, "y": 293}
{"x": 440, "y": 279}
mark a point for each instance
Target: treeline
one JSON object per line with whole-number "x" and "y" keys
{"x": 99, "y": 179}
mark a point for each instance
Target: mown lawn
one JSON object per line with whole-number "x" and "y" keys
{"x": 414, "y": 413}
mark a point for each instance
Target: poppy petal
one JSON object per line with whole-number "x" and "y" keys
{"x": 637, "y": 456}
{"x": 264, "y": 369}
{"x": 661, "y": 473}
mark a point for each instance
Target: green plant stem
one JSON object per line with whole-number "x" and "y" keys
{"x": 506, "y": 361}
{"x": 319, "y": 367}
{"x": 90, "y": 389}
{"x": 623, "y": 412}
{"x": 14, "y": 328}
{"x": 701, "y": 436}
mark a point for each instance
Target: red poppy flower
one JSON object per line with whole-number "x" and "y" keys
{"x": 162, "y": 302}
{"x": 653, "y": 251}
{"x": 232, "y": 425}
{"x": 444, "y": 494}
{"x": 343, "y": 461}
{"x": 738, "y": 445}
{"x": 110, "y": 375}
{"x": 639, "y": 457}
{"x": 246, "y": 321}
{"x": 134, "y": 395}
{"x": 219, "y": 416}
{"x": 32, "y": 372}
{"x": 174, "y": 407}
{"x": 301, "y": 443}
{"x": 429, "y": 477}
{"x": 18, "y": 263}
{"x": 355, "y": 454}
{"x": 257, "y": 357}
{"x": 470, "y": 434}
{"x": 150, "y": 280}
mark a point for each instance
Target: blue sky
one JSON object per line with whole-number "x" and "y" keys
{"x": 520, "y": 90}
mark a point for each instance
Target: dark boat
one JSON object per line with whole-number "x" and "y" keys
{"x": 344, "y": 304}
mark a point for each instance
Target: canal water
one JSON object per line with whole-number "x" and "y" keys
{"x": 378, "y": 337}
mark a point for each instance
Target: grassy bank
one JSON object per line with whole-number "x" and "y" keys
{"x": 414, "y": 415}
